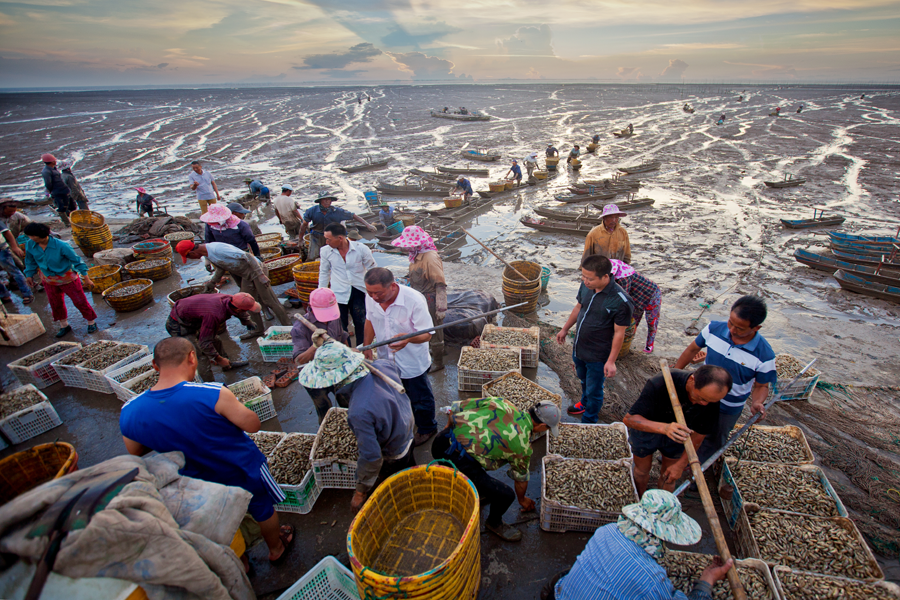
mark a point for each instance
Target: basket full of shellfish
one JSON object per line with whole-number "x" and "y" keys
{"x": 290, "y": 467}
{"x": 795, "y": 584}
{"x": 276, "y": 343}
{"x": 525, "y": 339}
{"x": 596, "y": 441}
{"x": 685, "y": 568}
{"x": 256, "y": 396}
{"x": 335, "y": 452}
{"x": 87, "y": 368}
{"x": 135, "y": 378}
{"x": 280, "y": 268}
{"x": 521, "y": 392}
{"x": 153, "y": 269}
{"x": 582, "y": 495}
{"x": 477, "y": 366}
{"x": 129, "y": 295}
{"x": 784, "y": 444}
{"x": 787, "y": 367}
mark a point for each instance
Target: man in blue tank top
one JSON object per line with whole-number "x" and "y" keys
{"x": 206, "y": 423}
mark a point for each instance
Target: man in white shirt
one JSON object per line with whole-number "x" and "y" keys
{"x": 393, "y": 310}
{"x": 343, "y": 264}
{"x": 204, "y": 184}
{"x": 287, "y": 211}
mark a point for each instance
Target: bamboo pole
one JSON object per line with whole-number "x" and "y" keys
{"x": 495, "y": 254}
{"x": 737, "y": 589}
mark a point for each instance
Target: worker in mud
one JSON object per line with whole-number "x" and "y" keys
{"x": 56, "y": 189}
{"x": 531, "y": 164}
{"x": 224, "y": 226}
{"x": 601, "y": 315}
{"x": 515, "y": 173}
{"x": 203, "y": 315}
{"x": 573, "y": 153}
{"x": 464, "y": 187}
{"x": 204, "y": 184}
{"x": 324, "y": 314}
{"x": 596, "y": 138}
{"x": 386, "y": 215}
{"x": 484, "y": 434}
{"x": 630, "y": 128}
{"x": 249, "y": 273}
{"x": 652, "y": 424}
{"x": 621, "y": 560}
{"x": 288, "y": 212}
{"x": 426, "y": 276}
{"x": 241, "y": 213}
{"x": 379, "y": 416}
{"x": 551, "y": 151}
{"x": 736, "y": 345}
{"x": 645, "y": 294}
{"x": 322, "y": 214}
{"x": 258, "y": 190}
{"x": 144, "y": 202}
{"x": 609, "y": 239}
{"x": 799, "y": 109}
{"x": 75, "y": 191}
{"x": 16, "y": 221}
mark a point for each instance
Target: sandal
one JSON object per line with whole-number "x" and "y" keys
{"x": 287, "y": 543}
{"x": 27, "y": 300}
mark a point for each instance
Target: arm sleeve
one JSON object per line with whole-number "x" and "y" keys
{"x": 766, "y": 372}
{"x": 588, "y": 244}
{"x": 77, "y": 264}
{"x": 301, "y": 338}
{"x": 701, "y": 591}
{"x": 623, "y": 314}
{"x": 48, "y": 181}
{"x": 247, "y": 236}
{"x": 208, "y": 330}
{"x": 324, "y": 267}
{"x": 421, "y": 318}
{"x": 370, "y": 459}
{"x": 519, "y": 467}
{"x": 345, "y": 214}
{"x": 626, "y": 248}
{"x": 336, "y": 330}
{"x": 700, "y": 340}
{"x": 368, "y": 260}
{"x": 31, "y": 265}
{"x": 208, "y": 236}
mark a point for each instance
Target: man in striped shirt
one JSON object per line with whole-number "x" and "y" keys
{"x": 737, "y": 346}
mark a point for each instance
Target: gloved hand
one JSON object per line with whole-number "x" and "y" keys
{"x": 319, "y": 337}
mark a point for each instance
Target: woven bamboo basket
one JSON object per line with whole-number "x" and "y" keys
{"x": 178, "y": 236}
{"x": 266, "y": 244}
{"x": 306, "y": 238}
{"x": 453, "y": 202}
{"x": 576, "y": 164}
{"x": 153, "y": 273}
{"x": 497, "y": 186}
{"x": 86, "y": 220}
{"x": 155, "y": 248}
{"x": 306, "y": 278}
{"x": 540, "y": 174}
{"x": 408, "y": 219}
{"x": 268, "y": 237}
{"x": 282, "y": 274}
{"x": 90, "y": 231}
{"x": 552, "y": 161}
{"x": 104, "y": 276}
{"x": 269, "y": 253}
{"x": 418, "y": 537}
{"x": 24, "y": 471}
{"x": 132, "y": 301}
{"x": 187, "y": 292}
{"x": 515, "y": 290}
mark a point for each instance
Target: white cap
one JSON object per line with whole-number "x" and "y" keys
{"x": 287, "y": 186}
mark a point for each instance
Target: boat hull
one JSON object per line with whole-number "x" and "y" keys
{"x": 851, "y": 283}
{"x": 810, "y": 223}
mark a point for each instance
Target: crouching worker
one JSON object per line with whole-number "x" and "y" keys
{"x": 621, "y": 560}
{"x": 483, "y": 435}
{"x": 206, "y": 423}
{"x": 325, "y": 314}
{"x": 381, "y": 418}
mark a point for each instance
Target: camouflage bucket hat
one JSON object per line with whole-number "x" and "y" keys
{"x": 659, "y": 512}
{"x": 333, "y": 363}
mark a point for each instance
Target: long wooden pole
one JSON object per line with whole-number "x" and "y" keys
{"x": 495, "y": 254}
{"x": 384, "y": 377}
{"x": 737, "y": 589}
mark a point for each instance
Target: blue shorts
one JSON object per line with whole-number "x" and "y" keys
{"x": 266, "y": 494}
{"x": 644, "y": 444}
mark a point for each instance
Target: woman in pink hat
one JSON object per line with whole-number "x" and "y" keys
{"x": 145, "y": 202}
{"x": 324, "y": 313}
{"x": 609, "y": 239}
{"x": 645, "y": 294}
{"x": 224, "y": 226}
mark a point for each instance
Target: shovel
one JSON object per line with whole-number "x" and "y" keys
{"x": 72, "y": 512}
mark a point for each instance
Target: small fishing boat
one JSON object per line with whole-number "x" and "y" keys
{"x": 438, "y": 181}
{"x": 421, "y": 173}
{"x": 645, "y": 166}
{"x": 482, "y": 155}
{"x": 613, "y": 181}
{"x": 629, "y": 204}
{"x": 459, "y": 116}
{"x": 856, "y": 284}
{"x": 857, "y": 248}
{"x": 565, "y": 215}
{"x": 864, "y": 259}
{"x": 599, "y": 189}
{"x": 388, "y": 189}
{"x": 368, "y": 165}
{"x": 829, "y": 264}
{"x": 464, "y": 171}
{"x": 557, "y": 226}
{"x": 818, "y": 220}
{"x": 624, "y": 133}
{"x": 887, "y": 240}
{"x": 490, "y": 194}
{"x": 585, "y": 197}
{"x": 788, "y": 181}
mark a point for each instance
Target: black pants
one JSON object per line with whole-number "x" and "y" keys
{"x": 355, "y": 309}
{"x": 421, "y": 398}
{"x": 491, "y": 491}
{"x": 323, "y": 402}
{"x": 391, "y": 467}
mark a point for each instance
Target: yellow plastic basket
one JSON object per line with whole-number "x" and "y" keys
{"x": 418, "y": 537}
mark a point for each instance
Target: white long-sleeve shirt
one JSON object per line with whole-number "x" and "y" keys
{"x": 407, "y": 314}
{"x": 343, "y": 275}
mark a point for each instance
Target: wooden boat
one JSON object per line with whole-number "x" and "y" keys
{"x": 456, "y": 116}
{"x": 864, "y": 259}
{"x": 856, "y": 284}
{"x": 864, "y": 239}
{"x": 369, "y": 164}
{"x": 599, "y": 189}
{"x": 464, "y": 171}
{"x": 483, "y": 156}
{"x": 818, "y": 220}
{"x": 829, "y": 264}
{"x": 388, "y": 189}
{"x": 558, "y": 226}
{"x": 862, "y": 248}
{"x": 453, "y": 215}
{"x": 566, "y": 215}
{"x": 585, "y": 197}
{"x": 625, "y": 133}
{"x": 421, "y": 173}
{"x": 788, "y": 181}
{"x": 629, "y": 204}
{"x": 632, "y": 183}
{"x": 438, "y": 182}
{"x": 650, "y": 165}
{"x": 490, "y": 194}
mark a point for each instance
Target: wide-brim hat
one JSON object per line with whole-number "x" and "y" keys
{"x": 659, "y": 512}
{"x": 326, "y": 196}
{"x": 216, "y": 213}
{"x": 332, "y": 364}
{"x": 611, "y": 210}
{"x": 412, "y": 237}
{"x": 247, "y": 180}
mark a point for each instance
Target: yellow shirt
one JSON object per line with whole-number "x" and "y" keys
{"x": 609, "y": 244}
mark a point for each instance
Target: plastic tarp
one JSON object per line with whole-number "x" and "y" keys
{"x": 461, "y": 305}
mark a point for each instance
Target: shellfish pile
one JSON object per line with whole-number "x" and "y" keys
{"x": 148, "y": 264}
{"x": 282, "y": 262}
{"x": 590, "y": 441}
{"x": 489, "y": 359}
{"x": 800, "y": 586}
{"x": 132, "y": 373}
{"x": 587, "y": 484}
{"x": 766, "y": 445}
{"x": 289, "y": 461}
{"x": 787, "y": 367}
{"x": 87, "y": 353}
{"x": 280, "y": 337}
{"x": 266, "y": 440}
{"x": 111, "y": 357}
{"x": 783, "y": 487}
{"x": 684, "y": 569}
{"x": 16, "y": 400}
{"x": 503, "y": 336}
{"x": 42, "y": 355}
{"x": 335, "y": 438}
{"x": 520, "y": 392}
{"x": 128, "y": 290}
{"x": 145, "y": 384}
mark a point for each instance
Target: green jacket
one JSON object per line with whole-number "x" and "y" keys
{"x": 494, "y": 433}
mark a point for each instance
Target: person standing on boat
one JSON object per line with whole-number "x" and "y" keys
{"x": 645, "y": 294}
{"x": 531, "y": 164}
{"x": 551, "y": 151}
{"x": 573, "y": 154}
{"x": 516, "y": 171}
{"x": 288, "y": 212}
{"x": 609, "y": 239}
{"x": 56, "y": 188}
{"x": 77, "y": 194}
{"x": 426, "y": 276}
{"x": 466, "y": 186}
{"x": 320, "y": 215}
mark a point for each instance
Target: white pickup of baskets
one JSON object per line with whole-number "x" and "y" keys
{"x": 261, "y": 403}
{"x": 29, "y": 422}
{"x": 42, "y": 374}
{"x": 272, "y": 350}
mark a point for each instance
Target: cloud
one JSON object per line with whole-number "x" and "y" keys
{"x": 424, "y": 67}
{"x": 424, "y": 34}
{"x": 360, "y": 53}
{"x": 782, "y": 72}
{"x": 528, "y": 41}
{"x": 533, "y": 74}
{"x": 162, "y": 65}
{"x": 624, "y": 72}
{"x": 675, "y": 69}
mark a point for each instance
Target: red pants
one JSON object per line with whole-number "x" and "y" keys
{"x": 74, "y": 291}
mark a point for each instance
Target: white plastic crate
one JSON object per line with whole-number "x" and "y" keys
{"x": 96, "y": 380}
{"x": 530, "y": 353}
{"x": 122, "y": 387}
{"x": 42, "y": 374}
{"x": 863, "y": 589}
{"x": 620, "y": 428}
{"x": 471, "y": 380}
{"x": 273, "y": 350}
{"x": 261, "y": 403}
{"x": 332, "y": 472}
{"x": 31, "y": 421}
{"x": 801, "y": 390}
{"x": 301, "y": 498}
{"x": 328, "y": 580}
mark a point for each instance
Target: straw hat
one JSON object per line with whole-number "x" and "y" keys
{"x": 332, "y": 364}
{"x": 659, "y": 512}
{"x": 216, "y": 213}
{"x": 611, "y": 210}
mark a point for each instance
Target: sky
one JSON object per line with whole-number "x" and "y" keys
{"x": 63, "y": 43}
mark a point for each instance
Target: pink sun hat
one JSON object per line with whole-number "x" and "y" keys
{"x": 621, "y": 270}
{"x": 611, "y": 210}
{"x": 216, "y": 213}
{"x": 324, "y": 305}
{"x": 140, "y": 190}
{"x": 412, "y": 237}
